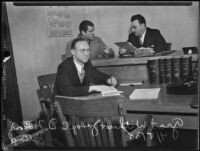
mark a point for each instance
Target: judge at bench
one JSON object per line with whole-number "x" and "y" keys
{"x": 144, "y": 37}
{"x": 75, "y": 74}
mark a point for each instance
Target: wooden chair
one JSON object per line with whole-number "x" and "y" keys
{"x": 63, "y": 57}
{"x": 46, "y": 83}
{"x": 86, "y": 117}
{"x": 87, "y": 110}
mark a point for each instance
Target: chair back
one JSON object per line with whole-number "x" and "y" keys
{"x": 46, "y": 83}
{"x": 94, "y": 121}
{"x": 63, "y": 57}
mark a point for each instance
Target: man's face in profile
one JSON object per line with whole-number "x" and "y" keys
{"x": 89, "y": 34}
{"x": 82, "y": 51}
{"x": 137, "y": 28}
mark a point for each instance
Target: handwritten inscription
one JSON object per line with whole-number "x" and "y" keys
{"x": 94, "y": 127}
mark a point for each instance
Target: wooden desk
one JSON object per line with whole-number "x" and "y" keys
{"x": 168, "y": 110}
{"x": 128, "y": 68}
{"x": 164, "y": 110}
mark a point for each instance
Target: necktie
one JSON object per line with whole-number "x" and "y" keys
{"x": 82, "y": 74}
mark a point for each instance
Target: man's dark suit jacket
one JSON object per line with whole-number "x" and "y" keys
{"x": 67, "y": 80}
{"x": 152, "y": 37}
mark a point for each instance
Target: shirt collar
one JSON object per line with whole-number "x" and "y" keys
{"x": 78, "y": 66}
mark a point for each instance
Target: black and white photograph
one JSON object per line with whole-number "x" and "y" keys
{"x": 100, "y": 75}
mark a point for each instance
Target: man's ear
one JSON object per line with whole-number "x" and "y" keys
{"x": 72, "y": 51}
{"x": 83, "y": 33}
{"x": 143, "y": 25}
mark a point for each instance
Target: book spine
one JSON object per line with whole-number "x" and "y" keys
{"x": 153, "y": 66}
{"x": 190, "y": 67}
{"x": 168, "y": 71}
{"x": 196, "y": 71}
{"x": 186, "y": 68}
{"x": 162, "y": 70}
{"x": 176, "y": 73}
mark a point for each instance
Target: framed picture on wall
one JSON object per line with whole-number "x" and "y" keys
{"x": 59, "y": 21}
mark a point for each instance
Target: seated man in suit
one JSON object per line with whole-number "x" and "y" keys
{"x": 97, "y": 46}
{"x": 75, "y": 74}
{"x": 143, "y": 37}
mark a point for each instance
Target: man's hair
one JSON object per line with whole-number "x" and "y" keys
{"x": 84, "y": 25}
{"x": 138, "y": 17}
{"x": 75, "y": 41}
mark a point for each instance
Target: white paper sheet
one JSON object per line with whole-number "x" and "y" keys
{"x": 145, "y": 94}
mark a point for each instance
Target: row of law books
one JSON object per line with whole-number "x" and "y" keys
{"x": 170, "y": 69}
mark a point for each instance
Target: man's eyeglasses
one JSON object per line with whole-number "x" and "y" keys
{"x": 84, "y": 50}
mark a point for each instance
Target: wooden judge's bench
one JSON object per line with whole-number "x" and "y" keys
{"x": 129, "y": 68}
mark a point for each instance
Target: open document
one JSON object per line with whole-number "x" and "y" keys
{"x": 105, "y": 90}
{"x": 126, "y": 45}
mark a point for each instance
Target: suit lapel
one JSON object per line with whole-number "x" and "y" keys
{"x": 136, "y": 41}
{"x": 75, "y": 72}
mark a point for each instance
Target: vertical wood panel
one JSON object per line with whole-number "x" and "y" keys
{"x": 68, "y": 135}
{"x": 122, "y": 73}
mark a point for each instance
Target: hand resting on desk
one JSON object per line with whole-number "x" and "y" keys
{"x": 112, "y": 81}
{"x": 142, "y": 51}
{"x": 105, "y": 90}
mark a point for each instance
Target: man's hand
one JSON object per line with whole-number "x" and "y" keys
{"x": 122, "y": 51}
{"x": 152, "y": 51}
{"x": 108, "y": 51}
{"x": 112, "y": 81}
{"x": 147, "y": 48}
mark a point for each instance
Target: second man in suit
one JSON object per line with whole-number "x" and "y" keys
{"x": 144, "y": 37}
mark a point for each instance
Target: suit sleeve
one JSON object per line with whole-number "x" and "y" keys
{"x": 97, "y": 76}
{"x": 63, "y": 85}
{"x": 102, "y": 44}
{"x": 160, "y": 43}
{"x": 129, "y": 38}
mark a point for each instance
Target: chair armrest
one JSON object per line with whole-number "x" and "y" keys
{"x": 46, "y": 101}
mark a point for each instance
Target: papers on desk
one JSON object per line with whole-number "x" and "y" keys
{"x": 164, "y": 53}
{"x": 145, "y": 94}
{"x": 106, "y": 90}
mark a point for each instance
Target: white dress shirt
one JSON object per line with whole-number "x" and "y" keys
{"x": 142, "y": 37}
{"x": 79, "y": 68}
